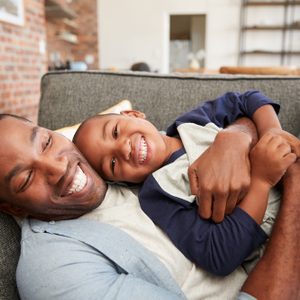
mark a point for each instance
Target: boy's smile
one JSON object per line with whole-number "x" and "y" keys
{"x": 123, "y": 147}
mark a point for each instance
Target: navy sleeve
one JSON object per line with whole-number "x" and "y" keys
{"x": 217, "y": 248}
{"x": 224, "y": 110}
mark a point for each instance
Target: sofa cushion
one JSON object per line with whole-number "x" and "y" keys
{"x": 161, "y": 97}
{"x": 69, "y": 131}
{"x": 9, "y": 255}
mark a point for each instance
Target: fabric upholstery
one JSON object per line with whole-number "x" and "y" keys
{"x": 69, "y": 97}
{"x": 162, "y": 98}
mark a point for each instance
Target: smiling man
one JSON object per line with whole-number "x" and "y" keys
{"x": 43, "y": 175}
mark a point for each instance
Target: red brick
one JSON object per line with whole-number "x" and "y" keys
{"x": 22, "y": 65}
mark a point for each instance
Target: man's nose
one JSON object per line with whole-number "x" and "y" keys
{"x": 54, "y": 168}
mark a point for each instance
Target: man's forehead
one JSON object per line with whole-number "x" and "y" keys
{"x": 14, "y": 132}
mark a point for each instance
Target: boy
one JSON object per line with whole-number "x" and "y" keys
{"x": 128, "y": 148}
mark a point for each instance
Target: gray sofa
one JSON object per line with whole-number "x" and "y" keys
{"x": 70, "y": 97}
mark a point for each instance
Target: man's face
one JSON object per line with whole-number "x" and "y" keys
{"x": 122, "y": 147}
{"x": 43, "y": 175}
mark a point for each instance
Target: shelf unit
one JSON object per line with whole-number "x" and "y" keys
{"x": 63, "y": 14}
{"x": 288, "y": 25}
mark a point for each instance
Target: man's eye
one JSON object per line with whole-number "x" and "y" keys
{"x": 26, "y": 182}
{"x": 113, "y": 163}
{"x": 47, "y": 143}
{"x": 115, "y": 132}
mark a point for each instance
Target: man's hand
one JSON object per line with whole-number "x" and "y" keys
{"x": 270, "y": 158}
{"x": 220, "y": 177}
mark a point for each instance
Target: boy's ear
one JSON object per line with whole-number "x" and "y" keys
{"x": 12, "y": 210}
{"x": 133, "y": 113}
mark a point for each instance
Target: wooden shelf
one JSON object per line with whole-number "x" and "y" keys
{"x": 54, "y": 10}
{"x": 269, "y": 3}
{"x": 282, "y": 30}
{"x": 271, "y": 52}
{"x": 271, "y": 27}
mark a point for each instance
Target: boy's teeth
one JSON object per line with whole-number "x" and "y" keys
{"x": 143, "y": 151}
{"x": 79, "y": 181}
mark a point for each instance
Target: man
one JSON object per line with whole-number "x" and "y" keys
{"x": 43, "y": 175}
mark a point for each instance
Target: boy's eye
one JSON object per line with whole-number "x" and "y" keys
{"x": 113, "y": 163}
{"x": 47, "y": 143}
{"x": 115, "y": 132}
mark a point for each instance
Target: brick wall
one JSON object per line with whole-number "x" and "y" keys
{"x": 22, "y": 62}
{"x": 83, "y": 26}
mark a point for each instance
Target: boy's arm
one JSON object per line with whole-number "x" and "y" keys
{"x": 222, "y": 177}
{"x": 270, "y": 158}
{"x": 266, "y": 120}
{"x": 217, "y": 248}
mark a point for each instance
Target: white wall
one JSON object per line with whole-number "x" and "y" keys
{"x": 138, "y": 30}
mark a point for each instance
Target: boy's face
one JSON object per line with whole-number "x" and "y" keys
{"x": 122, "y": 147}
{"x": 42, "y": 174}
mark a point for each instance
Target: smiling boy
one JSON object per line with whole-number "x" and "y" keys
{"x": 129, "y": 148}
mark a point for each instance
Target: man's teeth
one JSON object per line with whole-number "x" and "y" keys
{"x": 79, "y": 181}
{"x": 143, "y": 151}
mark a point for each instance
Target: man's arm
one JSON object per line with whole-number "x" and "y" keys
{"x": 220, "y": 177}
{"x": 277, "y": 274}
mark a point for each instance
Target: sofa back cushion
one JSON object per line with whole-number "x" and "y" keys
{"x": 70, "y": 97}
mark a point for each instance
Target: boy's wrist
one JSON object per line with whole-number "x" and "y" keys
{"x": 260, "y": 184}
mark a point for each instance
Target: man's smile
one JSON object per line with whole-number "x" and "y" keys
{"x": 75, "y": 182}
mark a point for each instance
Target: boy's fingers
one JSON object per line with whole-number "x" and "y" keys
{"x": 289, "y": 159}
{"x": 284, "y": 149}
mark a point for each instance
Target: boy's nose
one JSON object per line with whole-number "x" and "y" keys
{"x": 124, "y": 149}
{"x": 54, "y": 168}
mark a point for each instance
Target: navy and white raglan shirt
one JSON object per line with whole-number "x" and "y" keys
{"x": 166, "y": 198}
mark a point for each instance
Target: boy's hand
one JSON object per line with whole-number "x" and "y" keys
{"x": 270, "y": 158}
{"x": 293, "y": 141}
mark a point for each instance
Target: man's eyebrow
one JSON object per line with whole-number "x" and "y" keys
{"x": 19, "y": 167}
{"x": 33, "y": 135}
{"x": 12, "y": 173}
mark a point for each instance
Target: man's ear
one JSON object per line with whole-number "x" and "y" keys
{"x": 133, "y": 113}
{"x": 13, "y": 210}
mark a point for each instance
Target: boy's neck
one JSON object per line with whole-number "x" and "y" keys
{"x": 173, "y": 144}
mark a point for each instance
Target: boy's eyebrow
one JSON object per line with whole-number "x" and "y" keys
{"x": 19, "y": 167}
{"x": 104, "y": 130}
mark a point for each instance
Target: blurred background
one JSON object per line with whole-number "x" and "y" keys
{"x": 163, "y": 36}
